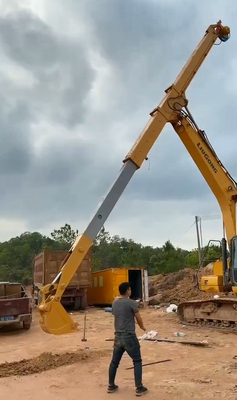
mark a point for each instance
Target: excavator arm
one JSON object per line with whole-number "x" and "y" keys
{"x": 53, "y": 317}
{"x": 220, "y": 312}
{"x": 224, "y": 188}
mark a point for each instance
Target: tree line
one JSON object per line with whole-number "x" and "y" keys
{"x": 17, "y": 254}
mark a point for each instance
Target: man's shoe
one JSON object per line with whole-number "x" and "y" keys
{"x": 112, "y": 388}
{"x": 141, "y": 390}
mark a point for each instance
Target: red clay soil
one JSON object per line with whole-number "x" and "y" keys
{"x": 47, "y": 361}
{"x": 178, "y": 286}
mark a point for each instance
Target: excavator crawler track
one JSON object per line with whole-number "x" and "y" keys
{"x": 218, "y": 314}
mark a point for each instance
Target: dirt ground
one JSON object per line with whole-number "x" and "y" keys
{"x": 178, "y": 286}
{"x": 45, "y": 366}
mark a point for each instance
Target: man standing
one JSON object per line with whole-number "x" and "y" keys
{"x": 124, "y": 310}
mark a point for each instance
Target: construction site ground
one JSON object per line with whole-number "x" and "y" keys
{"x": 60, "y": 367}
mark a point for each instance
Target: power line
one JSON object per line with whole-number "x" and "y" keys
{"x": 185, "y": 232}
{"x": 205, "y": 218}
{"x": 210, "y": 217}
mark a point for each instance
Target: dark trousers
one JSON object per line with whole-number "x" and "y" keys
{"x": 126, "y": 342}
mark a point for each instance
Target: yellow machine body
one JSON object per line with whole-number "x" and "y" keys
{"x": 172, "y": 109}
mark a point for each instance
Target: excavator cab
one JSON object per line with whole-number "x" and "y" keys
{"x": 219, "y": 280}
{"x": 233, "y": 263}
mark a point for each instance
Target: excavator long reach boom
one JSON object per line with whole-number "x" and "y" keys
{"x": 53, "y": 317}
{"x": 221, "y": 183}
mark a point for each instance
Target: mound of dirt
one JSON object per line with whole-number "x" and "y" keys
{"x": 47, "y": 361}
{"x": 178, "y": 286}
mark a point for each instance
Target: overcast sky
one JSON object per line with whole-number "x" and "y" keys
{"x": 78, "y": 80}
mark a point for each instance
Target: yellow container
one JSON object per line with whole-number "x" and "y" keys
{"x": 105, "y": 284}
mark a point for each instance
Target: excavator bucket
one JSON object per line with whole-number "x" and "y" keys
{"x": 55, "y": 320}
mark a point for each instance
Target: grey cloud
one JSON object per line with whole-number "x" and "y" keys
{"x": 168, "y": 174}
{"x": 55, "y": 179}
{"x": 146, "y": 73}
{"x": 62, "y": 80}
{"x": 62, "y": 73}
{"x": 145, "y": 44}
{"x": 15, "y": 147}
{"x": 123, "y": 28}
{"x": 28, "y": 40}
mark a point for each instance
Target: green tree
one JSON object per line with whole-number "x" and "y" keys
{"x": 65, "y": 235}
{"x": 17, "y": 254}
{"x": 101, "y": 250}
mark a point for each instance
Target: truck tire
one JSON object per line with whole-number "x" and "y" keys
{"x": 84, "y": 301}
{"x": 26, "y": 325}
{"x": 77, "y": 303}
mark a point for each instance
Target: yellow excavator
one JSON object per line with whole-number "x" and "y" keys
{"x": 173, "y": 109}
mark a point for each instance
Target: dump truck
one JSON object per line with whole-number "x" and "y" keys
{"x": 15, "y": 305}
{"x": 47, "y": 264}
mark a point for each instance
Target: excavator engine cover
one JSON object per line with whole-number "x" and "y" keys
{"x": 212, "y": 284}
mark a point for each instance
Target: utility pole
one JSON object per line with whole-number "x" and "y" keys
{"x": 197, "y": 219}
